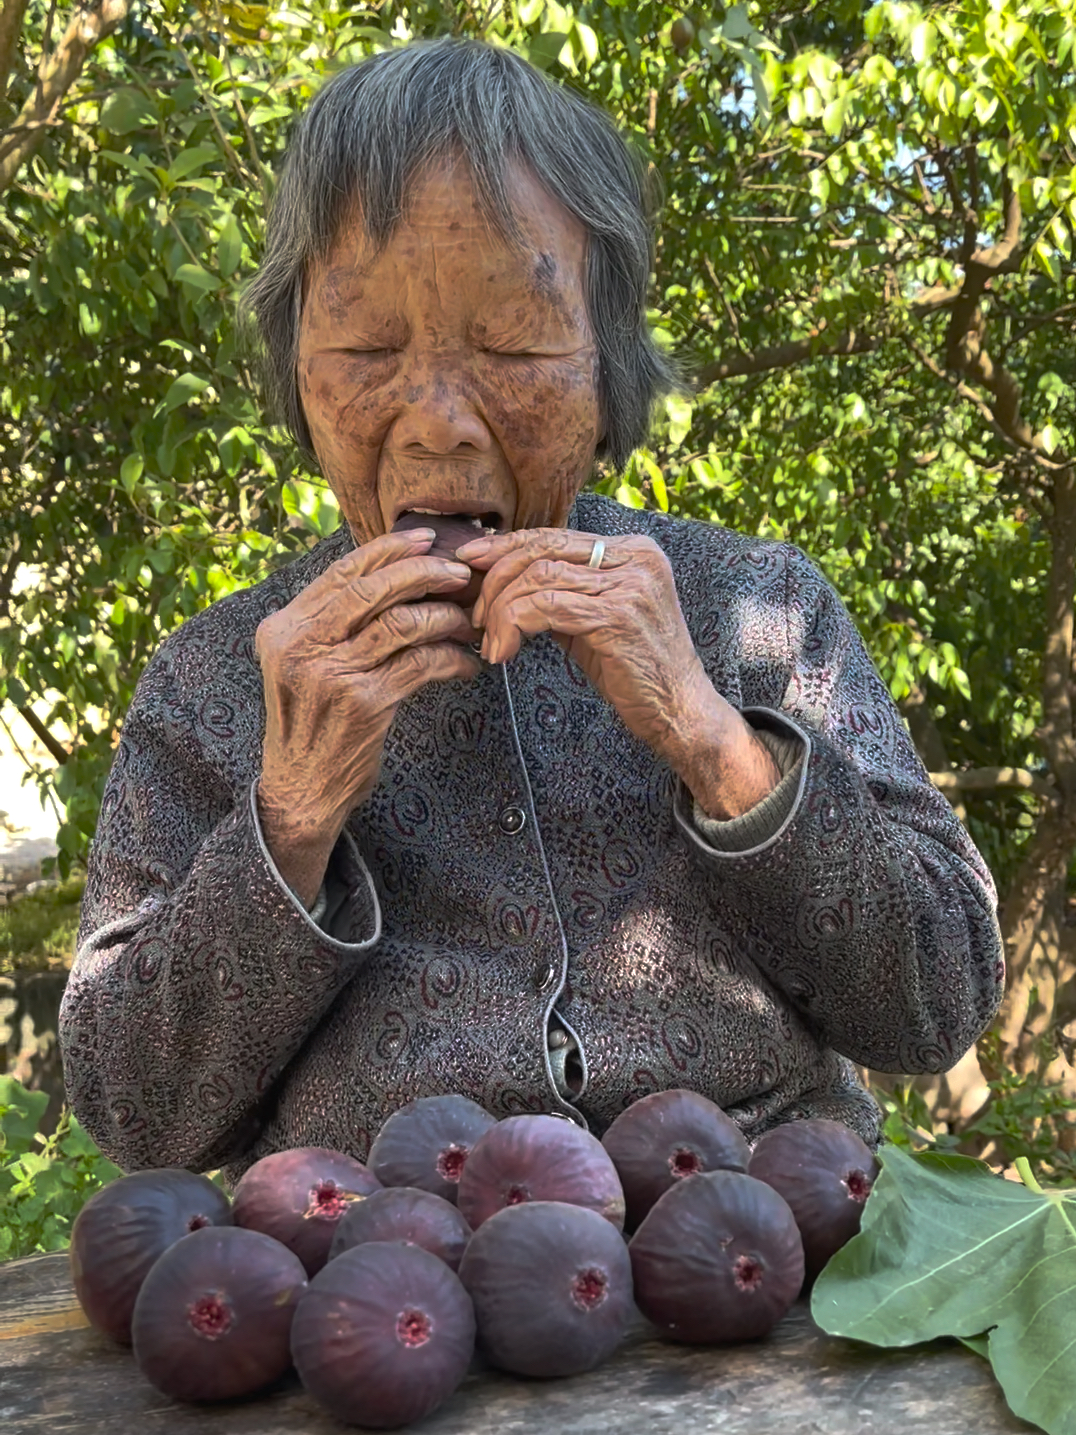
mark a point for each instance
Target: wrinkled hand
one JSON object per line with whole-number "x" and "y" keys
{"x": 623, "y": 625}
{"x": 336, "y": 664}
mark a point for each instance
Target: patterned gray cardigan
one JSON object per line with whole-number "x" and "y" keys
{"x": 525, "y": 867}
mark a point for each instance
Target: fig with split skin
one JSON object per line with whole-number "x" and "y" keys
{"x": 402, "y": 1213}
{"x": 383, "y": 1335}
{"x": 453, "y": 531}
{"x": 668, "y": 1135}
{"x": 122, "y": 1230}
{"x": 298, "y": 1196}
{"x": 552, "y": 1288}
{"x": 213, "y": 1318}
{"x": 718, "y": 1259}
{"x": 825, "y": 1172}
{"x": 427, "y": 1142}
{"x": 539, "y": 1158}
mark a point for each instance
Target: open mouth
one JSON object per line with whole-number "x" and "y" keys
{"x": 458, "y": 520}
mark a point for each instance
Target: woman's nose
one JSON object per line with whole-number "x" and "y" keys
{"x": 436, "y": 418}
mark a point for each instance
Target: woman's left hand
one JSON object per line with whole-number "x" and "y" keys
{"x": 620, "y": 621}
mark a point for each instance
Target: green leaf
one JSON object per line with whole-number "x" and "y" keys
{"x": 833, "y": 116}
{"x": 128, "y": 109}
{"x": 588, "y": 42}
{"x": 543, "y": 50}
{"x": 182, "y": 390}
{"x": 737, "y": 26}
{"x": 950, "y": 1249}
{"x": 196, "y": 277}
{"x": 680, "y": 412}
{"x": 229, "y": 247}
{"x": 191, "y": 159}
{"x": 20, "y": 1112}
{"x": 131, "y": 471}
{"x": 924, "y": 41}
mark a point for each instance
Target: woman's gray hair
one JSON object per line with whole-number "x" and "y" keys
{"x": 371, "y": 131}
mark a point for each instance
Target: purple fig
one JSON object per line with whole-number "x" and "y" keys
{"x": 718, "y": 1258}
{"x": 825, "y": 1172}
{"x": 453, "y": 531}
{"x": 552, "y": 1288}
{"x": 122, "y": 1230}
{"x": 298, "y": 1196}
{"x": 383, "y": 1335}
{"x": 666, "y": 1136}
{"x": 213, "y": 1317}
{"x": 401, "y": 1213}
{"x": 427, "y": 1142}
{"x": 539, "y": 1158}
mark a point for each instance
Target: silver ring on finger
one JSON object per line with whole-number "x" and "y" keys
{"x": 597, "y": 553}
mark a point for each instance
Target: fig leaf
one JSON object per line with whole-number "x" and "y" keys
{"x": 948, "y": 1248}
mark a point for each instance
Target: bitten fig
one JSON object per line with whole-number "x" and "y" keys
{"x": 453, "y": 531}
{"x": 666, "y": 1136}
{"x": 213, "y": 1317}
{"x": 539, "y": 1158}
{"x": 402, "y": 1213}
{"x": 298, "y": 1196}
{"x": 825, "y": 1172}
{"x": 427, "y": 1142}
{"x": 718, "y": 1258}
{"x": 122, "y": 1230}
{"x": 552, "y": 1288}
{"x": 383, "y": 1335}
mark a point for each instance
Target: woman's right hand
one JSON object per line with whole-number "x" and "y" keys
{"x": 336, "y": 663}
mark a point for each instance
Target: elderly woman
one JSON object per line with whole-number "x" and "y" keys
{"x": 642, "y": 817}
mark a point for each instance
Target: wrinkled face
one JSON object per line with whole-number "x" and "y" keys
{"x": 452, "y": 372}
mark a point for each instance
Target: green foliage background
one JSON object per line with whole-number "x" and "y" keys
{"x": 825, "y": 173}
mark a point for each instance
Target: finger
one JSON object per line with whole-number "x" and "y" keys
{"x": 403, "y": 626}
{"x": 343, "y": 610}
{"x": 511, "y": 553}
{"x": 406, "y": 672}
{"x": 566, "y": 612}
{"x": 543, "y": 573}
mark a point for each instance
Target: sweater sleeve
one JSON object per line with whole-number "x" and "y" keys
{"x": 199, "y": 974}
{"x": 867, "y": 904}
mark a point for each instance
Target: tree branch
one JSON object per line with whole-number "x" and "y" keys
{"x": 785, "y": 356}
{"x": 55, "y": 76}
{"x": 44, "y": 736}
{"x": 12, "y": 13}
{"x": 988, "y": 779}
{"x": 1057, "y": 733}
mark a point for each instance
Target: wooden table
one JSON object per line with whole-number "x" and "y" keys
{"x": 58, "y": 1377}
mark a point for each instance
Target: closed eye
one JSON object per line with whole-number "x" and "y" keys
{"x": 517, "y": 354}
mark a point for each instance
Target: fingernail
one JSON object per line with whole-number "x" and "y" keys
{"x": 459, "y": 570}
{"x": 484, "y": 649}
{"x": 422, "y": 535}
{"x": 476, "y": 547}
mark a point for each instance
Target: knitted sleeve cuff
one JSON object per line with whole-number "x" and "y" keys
{"x": 751, "y": 829}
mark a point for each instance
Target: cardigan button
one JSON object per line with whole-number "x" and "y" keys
{"x": 545, "y": 977}
{"x": 512, "y": 820}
